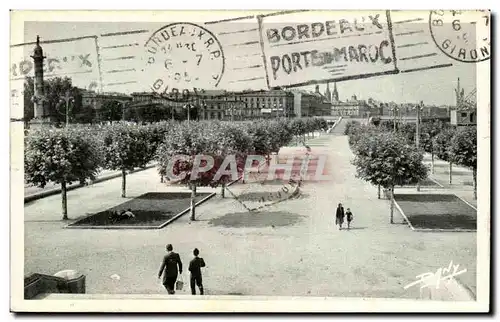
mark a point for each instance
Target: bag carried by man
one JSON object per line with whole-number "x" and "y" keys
{"x": 179, "y": 284}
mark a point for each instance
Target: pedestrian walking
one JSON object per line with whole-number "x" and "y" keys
{"x": 195, "y": 268}
{"x": 349, "y": 215}
{"x": 339, "y": 216}
{"x": 169, "y": 270}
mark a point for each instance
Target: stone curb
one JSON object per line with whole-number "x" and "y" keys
{"x": 334, "y": 125}
{"x": 467, "y": 203}
{"x": 180, "y": 214}
{"x": 55, "y": 191}
{"x": 403, "y": 214}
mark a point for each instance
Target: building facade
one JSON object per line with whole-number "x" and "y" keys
{"x": 207, "y": 104}
{"x": 308, "y": 104}
{"x": 223, "y": 105}
{"x": 272, "y": 103}
{"x": 353, "y": 108}
{"x": 97, "y": 100}
{"x": 465, "y": 111}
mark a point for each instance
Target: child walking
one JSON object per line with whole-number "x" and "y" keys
{"x": 195, "y": 268}
{"x": 349, "y": 218}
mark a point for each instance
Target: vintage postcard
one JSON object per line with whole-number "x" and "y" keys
{"x": 250, "y": 161}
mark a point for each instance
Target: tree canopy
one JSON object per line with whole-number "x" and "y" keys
{"x": 55, "y": 89}
{"x": 61, "y": 156}
{"x": 388, "y": 160}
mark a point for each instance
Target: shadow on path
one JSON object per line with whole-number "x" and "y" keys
{"x": 256, "y": 219}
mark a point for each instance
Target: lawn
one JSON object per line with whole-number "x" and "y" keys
{"x": 437, "y": 211}
{"x": 150, "y": 209}
{"x": 425, "y": 183}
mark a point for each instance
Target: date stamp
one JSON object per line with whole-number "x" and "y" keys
{"x": 181, "y": 59}
{"x": 461, "y": 35}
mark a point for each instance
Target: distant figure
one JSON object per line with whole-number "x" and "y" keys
{"x": 339, "y": 216}
{"x": 195, "y": 268}
{"x": 348, "y": 213}
{"x": 128, "y": 214}
{"x": 169, "y": 269}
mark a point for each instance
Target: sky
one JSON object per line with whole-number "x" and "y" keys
{"x": 434, "y": 86}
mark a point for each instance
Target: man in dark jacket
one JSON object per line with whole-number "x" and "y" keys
{"x": 339, "y": 216}
{"x": 195, "y": 268}
{"x": 169, "y": 269}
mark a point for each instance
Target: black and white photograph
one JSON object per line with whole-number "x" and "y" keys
{"x": 250, "y": 161}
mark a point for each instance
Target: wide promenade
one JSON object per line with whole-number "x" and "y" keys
{"x": 289, "y": 249}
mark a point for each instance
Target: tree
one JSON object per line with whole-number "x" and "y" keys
{"x": 387, "y": 160}
{"x": 428, "y": 131}
{"x": 310, "y": 126}
{"x": 464, "y": 151}
{"x": 111, "y": 111}
{"x": 233, "y": 141}
{"x": 29, "y": 107}
{"x": 125, "y": 147}
{"x": 177, "y": 156}
{"x": 387, "y": 125}
{"x": 298, "y": 128}
{"x": 280, "y": 134}
{"x": 441, "y": 147}
{"x": 260, "y": 134}
{"x": 148, "y": 113}
{"x": 54, "y": 90}
{"x": 62, "y": 156}
{"x": 157, "y": 132}
{"x": 85, "y": 114}
{"x": 409, "y": 131}
{"x": 350, "y": 126}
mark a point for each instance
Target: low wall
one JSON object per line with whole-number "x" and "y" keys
{"x": 55, "y": 191}
{"x": 36, "y": 284}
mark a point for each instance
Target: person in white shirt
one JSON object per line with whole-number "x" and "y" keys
{"x": 128, "y": 214}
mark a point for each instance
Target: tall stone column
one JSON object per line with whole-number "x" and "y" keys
{"x": 40, "y": 117}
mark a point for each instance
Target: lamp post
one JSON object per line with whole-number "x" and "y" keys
{"x": 419, "y": 107}
{"x": 67, "y": 98}
{"x": 394, "y": 109}
{"x": 124, "y": 105}
{"x": 188, "y": 106}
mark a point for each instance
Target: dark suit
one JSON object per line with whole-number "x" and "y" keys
{"x": 339, "y": 216}
{"x": 169, "y": 270}
{"x": 195, "y": 268}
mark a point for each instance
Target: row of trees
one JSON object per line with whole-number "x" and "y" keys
{"x": 451, "y": 144}
{"x": 79, "y": 153}
{"x": 385, "y": 159}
